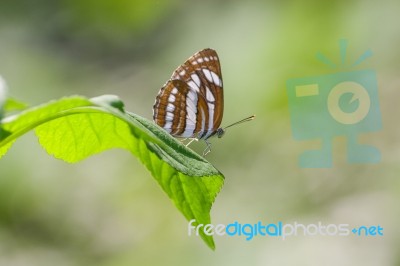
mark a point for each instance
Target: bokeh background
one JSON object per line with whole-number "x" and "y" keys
{"x": 108, "y": 210}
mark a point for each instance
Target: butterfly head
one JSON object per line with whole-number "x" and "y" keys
{"x": 220, "y": 132}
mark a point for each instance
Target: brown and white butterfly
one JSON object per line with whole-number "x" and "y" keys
{"x": 191, "y": 103}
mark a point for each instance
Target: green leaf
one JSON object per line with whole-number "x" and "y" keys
{"x": 3, "y": 97}
{"x": 12, "y": 104}
{"x": 74, "y": 128}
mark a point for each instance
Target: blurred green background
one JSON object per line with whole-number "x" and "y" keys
{"x": 108, "y": 210}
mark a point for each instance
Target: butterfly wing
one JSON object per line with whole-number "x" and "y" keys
{"x": 180, "y": 111}
{"x": 191, "y": 103}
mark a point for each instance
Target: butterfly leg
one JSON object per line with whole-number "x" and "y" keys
{"x": 207, "y": 150}
{"x": 190, "y": 141}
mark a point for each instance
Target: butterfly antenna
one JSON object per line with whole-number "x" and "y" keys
{"x": 241, "y": 121}
{"x": 221, "y": 131}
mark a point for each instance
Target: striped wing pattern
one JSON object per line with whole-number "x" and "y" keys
{"x": 190, "y": 104}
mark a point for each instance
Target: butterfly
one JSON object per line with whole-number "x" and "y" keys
{"x": 191, "y": 103}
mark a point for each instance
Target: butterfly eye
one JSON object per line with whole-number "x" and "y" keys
{"x": 220, "y": 132}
